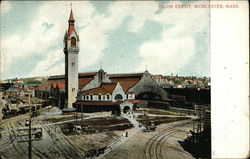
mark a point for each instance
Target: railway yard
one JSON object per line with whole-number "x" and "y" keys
{"x": 97, "y": 135}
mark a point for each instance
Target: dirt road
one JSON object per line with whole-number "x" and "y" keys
{"x": 160, "y": 144}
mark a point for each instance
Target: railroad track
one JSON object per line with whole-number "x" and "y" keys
{"x": 55, "y": 139}
{"x": 15, "y": 137}
{"x": 34, "y": 150}
{"x": 153, "y": 147}
{"x": 158, "y": 147}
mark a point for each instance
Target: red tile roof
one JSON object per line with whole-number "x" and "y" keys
{"x": 83, "y": 81}
{"x": 95, "y": 91}
{"x": 71, "y": 17}
{"x": 87, "y": 74}
{"x": 134, "y": 101}
{"x": 70, "y": 31}
{"x": 84, "y": 78}
{"x": 79, "y": 75}
{"x": 61, "y": 85}
{"x": 105, "y": 88}
{"x": 109, "y": 87}
{"x": 54, "y": 85}
{"x": 126, "y": 75}
{"x": 103, "y": 103}
{"x": 71, "y": 28}
{"x": 127, "y": 81}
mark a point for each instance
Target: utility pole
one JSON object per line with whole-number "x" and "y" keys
{"x": 29, "y": 98}
{"x": 30, "y": 148}
{"x": 36, "y": 132}
{"x": 81, "y": 113}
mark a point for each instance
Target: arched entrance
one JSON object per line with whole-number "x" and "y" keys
{"x": 126, "y": 109}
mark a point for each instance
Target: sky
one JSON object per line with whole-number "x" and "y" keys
{"x": 117, "y": 36}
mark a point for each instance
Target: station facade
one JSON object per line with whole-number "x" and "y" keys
{"x": 96, "y": 91}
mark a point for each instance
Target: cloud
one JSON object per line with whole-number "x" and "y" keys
{"x": 50, "y": 22}
{"x": 167, "y": 55}
{"x": 178, "y": 45}
{"x": 5, "y": 6}
{"x": 50, "y": 65}
{"x": 40, "y": 37}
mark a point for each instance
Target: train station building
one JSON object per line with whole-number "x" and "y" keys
{"x": 97, "y": 91}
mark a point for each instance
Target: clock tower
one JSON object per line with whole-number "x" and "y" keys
{"x": 71, "y": 50}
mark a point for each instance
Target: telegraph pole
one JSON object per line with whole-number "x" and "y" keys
{"x": 35, "y": 131}
{"x": 30, "y": 136}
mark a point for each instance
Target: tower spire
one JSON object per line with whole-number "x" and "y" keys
{"x": 71, "y": 17}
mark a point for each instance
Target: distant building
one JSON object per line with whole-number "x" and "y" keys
{"x": 17, "y": 81}
{"x": 12, "y": 91}
{"x": 57, "y": 92}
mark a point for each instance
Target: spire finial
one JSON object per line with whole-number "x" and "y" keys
{"x": 71, "y": 18}
{"x": 146, "y": 67}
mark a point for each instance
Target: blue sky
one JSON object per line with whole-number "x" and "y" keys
{"x": 124, "y": 36}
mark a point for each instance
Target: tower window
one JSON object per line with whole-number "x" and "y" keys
{"x": 73, "y": 89}
{"x": 99, "y": 97}
{"x": 73, "y": 42}
{"x": 73, "y": 63}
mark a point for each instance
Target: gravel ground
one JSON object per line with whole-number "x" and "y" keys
{"x": 160, "y": 144}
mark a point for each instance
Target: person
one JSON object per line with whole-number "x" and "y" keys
{"x": 126, "y": 133}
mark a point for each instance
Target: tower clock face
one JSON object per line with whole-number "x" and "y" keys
{"x": 73, "y": 42}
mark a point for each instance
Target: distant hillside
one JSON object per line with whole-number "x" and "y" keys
{"x": 29, "y": 80}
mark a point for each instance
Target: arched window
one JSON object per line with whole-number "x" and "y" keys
{"x": 118, "y": 97}
{"x": 73, "y": 42}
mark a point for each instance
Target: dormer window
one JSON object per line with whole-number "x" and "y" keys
{"x": 118, "y": 97}
{"x": 73, "y": 42}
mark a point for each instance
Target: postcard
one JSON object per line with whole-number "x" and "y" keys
{"x": 124, "y": 79}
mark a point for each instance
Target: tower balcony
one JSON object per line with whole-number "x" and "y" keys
{"x": 73, "y": 49}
